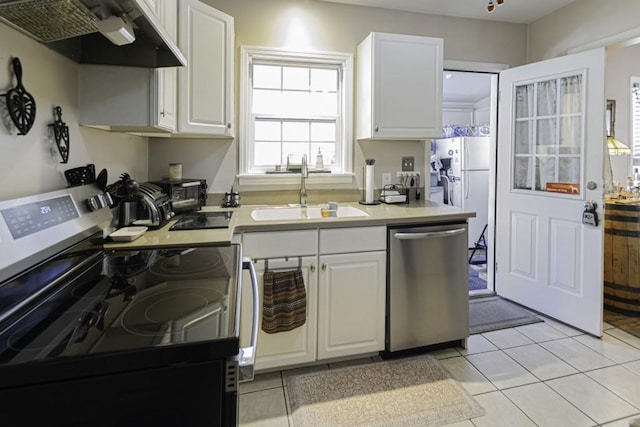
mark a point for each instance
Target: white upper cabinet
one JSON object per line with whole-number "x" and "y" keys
{"x": 196, "y": 100}
{"x": 144, "y": 100}
{"x": 206, "y": 85}
{"x": 167, "y": 78}
{"x": 399, "y": 87}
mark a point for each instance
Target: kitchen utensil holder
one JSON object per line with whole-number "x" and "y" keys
{"x": 81, "y": 175}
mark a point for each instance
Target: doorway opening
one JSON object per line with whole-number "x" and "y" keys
{"x": 459, "y": 164}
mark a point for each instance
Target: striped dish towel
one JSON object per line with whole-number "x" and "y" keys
{"x": 284, "y": 303}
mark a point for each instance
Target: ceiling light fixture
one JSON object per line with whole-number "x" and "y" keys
{"x": 492, "y": 5}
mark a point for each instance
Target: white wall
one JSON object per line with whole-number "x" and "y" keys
{"x": 323, "y": 26}
{"x": 482, "y": 111}
{"x": 30, "y": 164}
{"x": 581, "y": 23}
{"x": 622, "y": 64}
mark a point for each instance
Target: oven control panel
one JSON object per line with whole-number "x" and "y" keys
{"x": 33, "y": 228}
{"x": 30, "y": 218}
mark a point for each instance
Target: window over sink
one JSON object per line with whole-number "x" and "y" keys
{"x": 295, "y": 103}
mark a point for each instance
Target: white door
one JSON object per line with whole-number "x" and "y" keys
{"x": 550, "y": 162}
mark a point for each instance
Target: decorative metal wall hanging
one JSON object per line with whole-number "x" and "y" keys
{"x": 20, "y": 103}
{"x": 61, "y": 134}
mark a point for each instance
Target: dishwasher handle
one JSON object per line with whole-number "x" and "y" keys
{"x": 429, "y": 234}
{"x": 248, "y": 354}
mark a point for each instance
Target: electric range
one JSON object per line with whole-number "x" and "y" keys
{"x": 150, "y": 336}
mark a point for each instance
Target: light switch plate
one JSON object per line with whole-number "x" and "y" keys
{"x": 407, "y": 163}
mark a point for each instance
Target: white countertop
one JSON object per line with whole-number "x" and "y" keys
{"x": 423, "y": 212}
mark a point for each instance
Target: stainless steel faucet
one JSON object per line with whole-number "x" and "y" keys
{"x": 304, "y": 174}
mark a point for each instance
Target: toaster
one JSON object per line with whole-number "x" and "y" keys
{"x": 154, "y": 206}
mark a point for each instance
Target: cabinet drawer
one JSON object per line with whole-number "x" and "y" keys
{"x": 274, "y": 244}
{"x": 360, "y": 239}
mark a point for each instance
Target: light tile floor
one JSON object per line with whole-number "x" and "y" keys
{"x": 544, "y": 374}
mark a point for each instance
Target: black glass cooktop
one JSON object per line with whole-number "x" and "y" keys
{"x": 202, "y": 220}
{"x": 128, "y": 301}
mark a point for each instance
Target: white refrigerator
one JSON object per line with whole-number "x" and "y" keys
{"x": 468, "y": 177}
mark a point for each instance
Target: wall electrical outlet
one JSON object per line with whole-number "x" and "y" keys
{"x": 407, "y": 163}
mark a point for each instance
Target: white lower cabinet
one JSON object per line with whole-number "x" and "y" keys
{"x": 351, "y": 304}
{"x": 345, "y": 296}
{"x": 283, "y": 348}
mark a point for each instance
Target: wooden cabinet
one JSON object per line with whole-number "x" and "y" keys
{"x": 345, "y": 297}
{"x": 399, "y": 87}
{"x": 206, "y": 85}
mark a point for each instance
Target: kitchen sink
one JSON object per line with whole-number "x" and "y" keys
{"x": 285, "y": 213}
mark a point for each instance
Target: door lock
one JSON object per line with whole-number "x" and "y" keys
{"x": 590, "y": 215}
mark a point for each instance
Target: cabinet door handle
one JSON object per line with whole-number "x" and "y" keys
{"x": 324, "y": 267}
{"x": 377, "y": 128}
{"x": 312, "y": 268}
{"x": 228, "y": 125}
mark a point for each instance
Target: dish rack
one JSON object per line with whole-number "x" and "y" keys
{"x": 394, "y": 193}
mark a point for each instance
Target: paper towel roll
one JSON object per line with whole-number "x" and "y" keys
{"x": 368, "y": 184}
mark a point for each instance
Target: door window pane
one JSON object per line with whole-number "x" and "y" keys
{"x": 545, "y": 172}
{"x": 570, "y": 135}
{"x": 571, "y": 94}
{"x": 523, "y": 137}
{"x": 524, "y": 101}
{"x": 569, "y": 170}
{"x": 546, "y": 137}
{"x": 521, "y": 173}
{"x": 547, "y": 94}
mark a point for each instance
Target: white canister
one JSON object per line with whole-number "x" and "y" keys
{"x": 175, "y": 171}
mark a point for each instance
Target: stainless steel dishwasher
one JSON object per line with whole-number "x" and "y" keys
{"x": 427, "y": 287}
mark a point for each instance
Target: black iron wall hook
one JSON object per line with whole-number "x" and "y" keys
{"x": 61, "y": 134}
{"x": 20, "y": 103}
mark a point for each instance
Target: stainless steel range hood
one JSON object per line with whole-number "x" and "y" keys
{"x": 71, "y": 28}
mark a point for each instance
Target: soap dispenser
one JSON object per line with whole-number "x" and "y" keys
{"x": 319, "y": 160}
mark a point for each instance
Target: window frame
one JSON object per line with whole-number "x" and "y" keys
{"x": 245, "y": 141}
